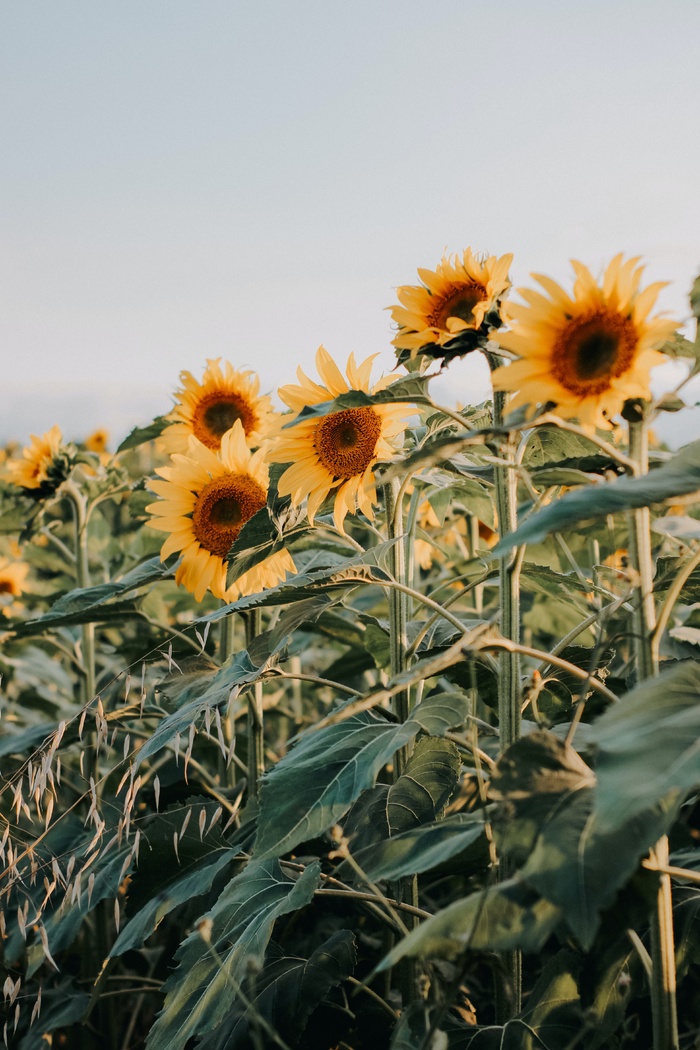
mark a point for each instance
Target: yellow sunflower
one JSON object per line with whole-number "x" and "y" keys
{"x": 208, "y": 409}
{"x": 336, "y": 452}
{"x": 454, "y": 298}
{"x": 206, "y": 501}
{"x": 13, "y": 575}
{"x": 34, "y": 469}
{"x": 98, "y": 440}
{"x": 587, "y": 352}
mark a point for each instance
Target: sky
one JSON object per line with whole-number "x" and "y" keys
{"x": 186, "y": 179}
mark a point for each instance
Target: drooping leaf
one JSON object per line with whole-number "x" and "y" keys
{"x": 318, "y": 780}
{"x": 426, "y": 785}
{"x": 201, "y": 991}
{"x": 140, "y": 435}
{"x": 680, "y": 476}
{"x": 285, "y": 993}
{"x": 79, "y": 605}
{"x": 648, "y": 745}
{"x": 500, "y": 918}
{"x": 420, "y": 849}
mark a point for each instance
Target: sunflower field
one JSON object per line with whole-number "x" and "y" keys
{"x": 354, "y": 720}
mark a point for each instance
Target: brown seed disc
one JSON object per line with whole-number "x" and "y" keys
{"x": 222, "y": 509}
{"x": 459, "y": 303}
{"x": 593, "y": 349}
{"x": 217, "y": 412}
{"x": 346, "y": 441}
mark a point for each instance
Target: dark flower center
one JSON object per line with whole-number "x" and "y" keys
{"x": 222, "y": 509}
{"x": 346, "y": 441}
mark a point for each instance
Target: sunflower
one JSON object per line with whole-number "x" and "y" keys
{"x": 43, "y": 462}
{"x": 13, "y": 575}
{"x": 335, "y": 452}
{"x": 206, "y": 501}
{"x": 208, "y": 409}
{"x": 453, "y": 299}
{"x": 586, "y": 353}
{"x": 98, "y": 440}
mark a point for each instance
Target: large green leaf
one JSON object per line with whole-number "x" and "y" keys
{"x": 426, "y": 785}
{"x": 648, "y": 746}
{"x": 421, "y": 848}
{"x": 61, "y": 1007}
{"x": 546, "y": 822}
{"x": 317, "y": 781}
{"x": 201, "y": 991}
{"x": 500, "y": 918}
{"x": 680, "y": 476}
{"x": 285, "y": 993}
{"x": 82, "y": 605}
{"x": 140, "y": 435}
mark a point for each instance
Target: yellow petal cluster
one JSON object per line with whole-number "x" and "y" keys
{"x": 453, "y": 298}
{"x": 336, "y": 453}
{"x": 31, "y": 471}
{"x": 205, "y": 502}
{"x": 13, "y": 576}
{"x": 209, "y": 408}
{"x": 587, "y": 352}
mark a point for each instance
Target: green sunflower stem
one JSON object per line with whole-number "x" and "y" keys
{"x": 256, "y": 739}
{"x": 663, "y": 974}
{"x": 407, "y": 888}
{"x": 509, "y": 992}
{"x": 79, "y": 505}
{"x": 227, "y": 646}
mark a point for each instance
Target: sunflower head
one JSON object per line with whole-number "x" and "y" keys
{"x": 588, "y": 352}
{"x": 209, "y": 408}
{"x": 335, "y": 453}
{"x": 46, "y": 462}
{"x": 97, "y": 441}
{"x": 205, "y": 502}
{"x": 13, "y": 575}
{"x": 454, "y": 309}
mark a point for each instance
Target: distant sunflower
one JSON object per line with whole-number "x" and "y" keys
{"x": 98, "y": 440}
{"x": 208, "y": 409}
{"x": 336, "y": 452}
{"x": 587, "y": 353}
{"x": 206, "y": 501}
{"x": 455, "y": 298}
{"x": 43, "y": 463}
{"x": 13, "y": 575}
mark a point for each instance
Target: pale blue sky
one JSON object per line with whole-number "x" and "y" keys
{"x": 183, "y": 179}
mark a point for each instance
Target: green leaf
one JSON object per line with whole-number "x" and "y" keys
{"x": 530, "y": 780}
{"x": 285, "y": 993}
{"x": 580, "y": 866}
{"x": 199, "y": 993}
{"x": 421, "y": 848}
{"x": 409, "y": 389}
{"x": 194, "y": 882}
{"x": 695, "y": 297}
{"x": 500, "y": 918}
{"x": 427, "y": 784}
{"x": 678, "y": 477}
{"x": 140, "y": 435}
{"x": 316, "y": 782}
{"x": 648, "y": 745}
{"x": 80, "y": 604}
{"x": 61, "y": 1006}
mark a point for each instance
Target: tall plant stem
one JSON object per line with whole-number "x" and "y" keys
{"x": 663, "y": 974}
{"x": 256, "y": 741}
{"x": 82, "y": 572}
{"x": 508, "y": 997}
{"x": 407, "y": 888}
{"x": 227, "y": 641}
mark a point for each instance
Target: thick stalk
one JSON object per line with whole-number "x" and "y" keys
{"x": 407, "y": 889}
{"x": 256, "y": 742}
{"x": 509, "y": 994}
{"x": 663, "y": 974}
{"x": 227, "y": 644}
{"x": 82, "y": 572}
